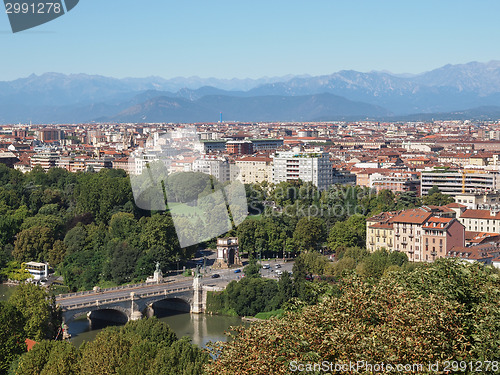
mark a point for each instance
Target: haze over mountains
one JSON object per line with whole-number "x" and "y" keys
{"x": 453, "y": 91}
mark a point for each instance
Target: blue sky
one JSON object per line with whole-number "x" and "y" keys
{"x": 242, "y": 38}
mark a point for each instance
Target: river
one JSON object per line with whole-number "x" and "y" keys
{"x": 200, "y": 328}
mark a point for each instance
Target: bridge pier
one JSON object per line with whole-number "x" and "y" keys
{"x": 135, "y": 314}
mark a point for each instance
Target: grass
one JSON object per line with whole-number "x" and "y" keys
{"x": 255, "y": 217}
{"x": 270, "y": 314}
{"x": 182, "y": 209}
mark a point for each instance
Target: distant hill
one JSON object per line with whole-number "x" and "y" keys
{"x": 260, "y": 108}
{"x": 59, "y": 98}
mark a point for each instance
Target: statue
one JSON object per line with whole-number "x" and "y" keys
{"x": 157, "y": 267}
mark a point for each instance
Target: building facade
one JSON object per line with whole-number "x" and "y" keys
{"x": 306, "y": 166}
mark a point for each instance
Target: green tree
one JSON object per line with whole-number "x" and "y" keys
{"x": 348, "y": 233}
{"x": 50, "y": 358}
{"x": 57, "y": 253}
{"x": 33, "y": 244}
{"x": 12, "y": 335}
{"x": 309, "y": 233}
{"x": 252, "y": 269}
{"x": 372, "y": 323}
{"x": 40, "y": 313}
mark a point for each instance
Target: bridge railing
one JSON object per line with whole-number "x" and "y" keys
{"x": 87, "y": 292}
{"x": 125, "y": 298}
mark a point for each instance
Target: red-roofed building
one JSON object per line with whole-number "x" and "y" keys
{"x": 439, "y": 235}
{"x": 481, "y": 220}
{"x": 408, "y": 233}
{"x": 380, "y": 231}
{"x": 480, "y": 253}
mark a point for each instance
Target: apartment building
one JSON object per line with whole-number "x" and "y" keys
{"x": 396, "y": 182}
{"x": 266, "y": 144}
{"x": 479, "y": 200}
{"x": 253, "y": 169}
{"x": 46, "y": 160}
{"x": 481, "y": 220}
{"x": 213, "y": 165}
{"x": 314, "y": 167}
{"x": 439, "y": 236}
{"x": 454, "y": 182}
{"x": 408, "y": 233}
{"x": 380, "y": 231}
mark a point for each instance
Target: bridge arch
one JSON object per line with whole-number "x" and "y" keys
{"x": 155, "y": 307}
{"x": 114, "y": 313}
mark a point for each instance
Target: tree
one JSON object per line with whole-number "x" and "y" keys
{"x": 252, "y": 269}
{"x": 12, "y": 335}
{"x": 50, "y": 358}
{"x": 309, "y": 233}
{"x": 348, "y": 233}
{"x": 40, "y": 313}
{"x": 376, "y": 323}
{"x": 123, "y": 259}
{"x": 33, "y": 244}
{"x": 436, "y": 198}
{"x": 123, "y": 226}
{"x": 57, "y": 253}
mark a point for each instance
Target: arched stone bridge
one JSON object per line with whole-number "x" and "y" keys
{"x": 134, "y": 301}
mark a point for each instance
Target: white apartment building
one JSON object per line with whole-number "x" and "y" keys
{"x": 314, "y": 167}
{"x": 483, "y": 200}
{"x": 213, "y": 165}
{"x": 481, "y": 220}
{"x": 253, "y": 169}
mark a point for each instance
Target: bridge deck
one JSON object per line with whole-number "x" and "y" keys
{"x": 78, "y": 300}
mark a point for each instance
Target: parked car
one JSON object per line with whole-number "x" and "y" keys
{"x": 215, "y": 276}
{"x": 279, "y": 272}
{"x": 277, "y": 266}
{"x": 237, "y": 271}
{"x": 266, "y": 266}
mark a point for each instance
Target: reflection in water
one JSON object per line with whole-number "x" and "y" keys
{"x": 200, "y": 328}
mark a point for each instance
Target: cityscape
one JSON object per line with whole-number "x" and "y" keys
{"x": 249, "y": 188}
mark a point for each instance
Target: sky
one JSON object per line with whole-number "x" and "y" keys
{"x": 253, "y": 39}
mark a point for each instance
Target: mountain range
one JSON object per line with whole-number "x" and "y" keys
{"x": 469, "y": 90}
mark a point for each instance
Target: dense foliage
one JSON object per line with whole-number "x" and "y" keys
{"x": 29, "y": 313}
{"x": 436, "y": 312}
{"x": 85, "y": 225}
{"x": 145, "y": 347}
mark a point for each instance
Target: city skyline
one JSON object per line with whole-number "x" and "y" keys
{"x": 227, "y": 40}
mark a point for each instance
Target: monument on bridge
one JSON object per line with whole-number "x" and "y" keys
{"x": 157, "y": 276}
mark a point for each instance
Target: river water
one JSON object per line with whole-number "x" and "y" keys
{"x": 200, "y": 328}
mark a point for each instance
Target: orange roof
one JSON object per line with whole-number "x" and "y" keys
{"x": 480, "y": 214}
{"x": 30, "y": 344}
{"x": 414, "y": 216}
